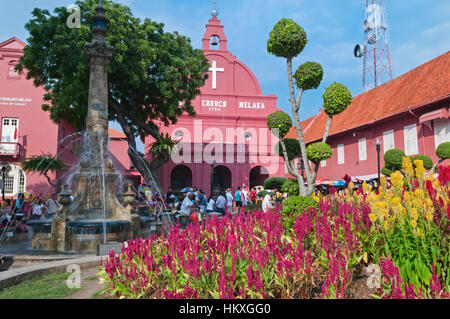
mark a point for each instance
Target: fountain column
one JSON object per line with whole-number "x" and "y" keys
{"x": 99, "y": 54}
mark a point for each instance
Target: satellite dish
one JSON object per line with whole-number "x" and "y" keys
{"x": 358, "y": 51}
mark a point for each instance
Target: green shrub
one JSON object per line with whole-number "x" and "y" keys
{"x": 427, "y": 162}
{"x": 287, "y": 39}
{"x": 292, "y": 148}
{"x": 264, "y": 193}
{"x": 393, "y": 159}
{"x": 308, "y": 75}
{"x": 443, "y": 150}
{"x": 290, "y": 186}
{"x": 318, "y": 151}
{"x": 386, "y": 171}
{"x": 281, "y": 121}
{"x": 336, "y": 98}
{"x": 274, "y": 183}
{"x": 295, "y": 205}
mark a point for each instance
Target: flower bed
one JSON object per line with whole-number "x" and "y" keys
{"x": 403, "y": 233}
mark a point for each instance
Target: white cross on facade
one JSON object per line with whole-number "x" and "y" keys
{"x": 214, "y": 71}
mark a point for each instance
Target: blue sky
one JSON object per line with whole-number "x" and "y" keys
{"x": 419, "y": 32}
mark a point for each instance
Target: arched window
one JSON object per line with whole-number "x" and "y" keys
{"x": 15, "y": 181}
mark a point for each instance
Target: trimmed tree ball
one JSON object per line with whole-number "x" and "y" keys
{"x": 287, "y": 39}
{"x": 443, "y": 150}
{"x": 308, "y": 76}
{"x": 318, "y": 151}
{"x": 279, "y": 121}
{"x": 427, "y": 161}
{"x": 393, "y": 159}
{"x": 336, "y": 98}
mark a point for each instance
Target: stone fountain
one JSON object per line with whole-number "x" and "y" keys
{"x": 94, "y": 216}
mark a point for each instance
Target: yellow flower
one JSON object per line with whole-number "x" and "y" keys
{"x": 429, "y": 215}
{"x": 414, "y": 214}
{"x": 386, "y": 224}
{"x": 351, "y": 186}
{"x": 429, "y": 203}
{"x": 372, "y": 217}
{"x": 420, "y": 232}
{"x": 365, "y": 188}
{"x": 420, "y": 170}
{"x": 418, "y": 192}
{"x": 407, "y": 166}
{"x": 407, "y": 197}
{"x": 396, "y": 201}
{"x": 383, "y": 181}
{"x": 413, "y": 223}
{"x": 397, "y": 179}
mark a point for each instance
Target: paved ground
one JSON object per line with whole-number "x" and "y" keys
{"x": 88, "y": 286}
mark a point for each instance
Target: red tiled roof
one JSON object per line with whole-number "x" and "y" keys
{"x": 116, "y": 134}
{"x": 425, "y": 84}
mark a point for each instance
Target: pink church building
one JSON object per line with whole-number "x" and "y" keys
{"x": 27, "y": 130}
{"x": 410, "y": 113}
{"x": 229, "y": 131}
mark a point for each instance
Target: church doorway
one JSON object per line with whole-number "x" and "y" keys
{"x": 221, "y": 178}
{"x": 258, "y": 175}
{"x": 180, "y": 178}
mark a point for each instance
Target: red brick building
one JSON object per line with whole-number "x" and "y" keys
{"x": 27, "y": 130}
{"x": 410, "y": 113}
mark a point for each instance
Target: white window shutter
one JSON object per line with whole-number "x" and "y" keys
{"x": 323, "y": 163}
{"x": 362, "y": 149}
{"x": 410, "y": 135}
{"x": 340, "y": 149}
{"x": 388, "y": 140}
{"x": 441, "y": 131}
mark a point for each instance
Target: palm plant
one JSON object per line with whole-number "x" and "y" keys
{"x": 43, "y": 164}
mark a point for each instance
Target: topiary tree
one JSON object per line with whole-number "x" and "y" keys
{"x": 279, "y": 121}
{"x": 393, "y": 159}
{"x": 274, "y": 183}
{"x": 292, "y": 148}
{"x": 443, "y": 152}
{"x": 290, "y": 186}
{"x": 386, "y": 171}
{"x": 427, "y": 162}
{"x": 287, "y": 40}
{"x": 318, "y": 151}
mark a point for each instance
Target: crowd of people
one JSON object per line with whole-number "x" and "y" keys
{"x": 15, "y": 212}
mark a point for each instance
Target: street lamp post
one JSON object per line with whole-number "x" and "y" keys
{"x": 212, "y": 176}
{"x": 378, "y": 157}
{"x": 5, "y": 168}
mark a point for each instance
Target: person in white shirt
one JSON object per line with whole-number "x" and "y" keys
{"x": 267, "y": 204}
{"x": 187, "y": 205}
{"x": 245, "y": 194}
{"x": 38, "y": 208}
{"x": 220, "y": 204}
{"x": 229, "y": 200}
{"x": 211, "y": 204}
{"x": 52, "y": 206}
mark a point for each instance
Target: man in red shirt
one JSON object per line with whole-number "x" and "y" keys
{"x": 253, "y": 196}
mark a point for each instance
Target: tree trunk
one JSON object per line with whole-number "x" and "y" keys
{"x": 295, "y": 104}
{"x": 433, "y": 169}
{"x": 150, "y": 175}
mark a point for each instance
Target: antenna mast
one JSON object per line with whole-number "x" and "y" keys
{"x": 377, "y": 65}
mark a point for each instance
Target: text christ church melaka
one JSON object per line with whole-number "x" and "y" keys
{"x": 229, "y": 128}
